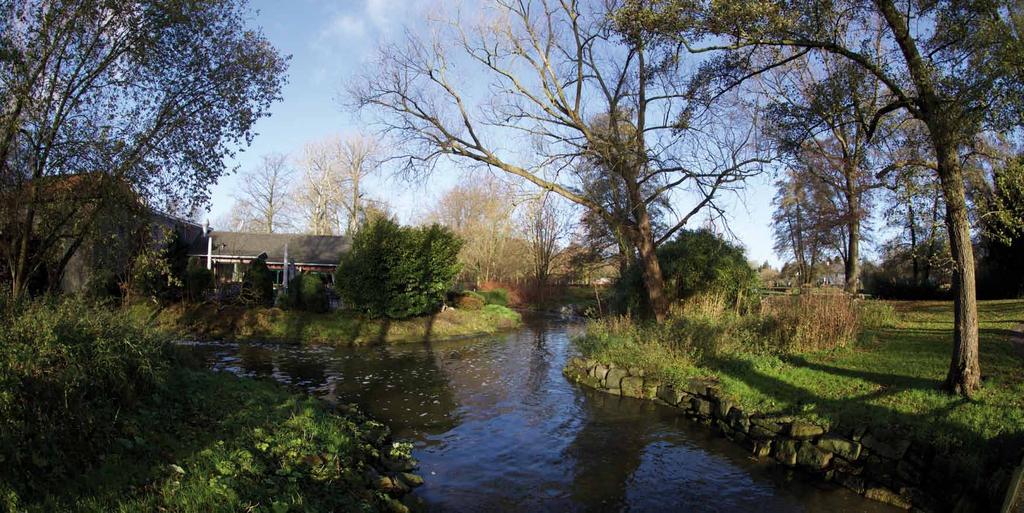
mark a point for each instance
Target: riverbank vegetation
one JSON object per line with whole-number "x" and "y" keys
{"x": 101, "y": 413}
{"x": 209, "y": 321}
{"x": 839, "y": 361}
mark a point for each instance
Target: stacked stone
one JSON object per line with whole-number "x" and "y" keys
{"x": 878, "y": 465}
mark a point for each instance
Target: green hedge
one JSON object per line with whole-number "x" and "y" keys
{"x": 398, "y": 272}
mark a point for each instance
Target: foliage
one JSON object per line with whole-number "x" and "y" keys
{"x": 470, "y": 300}
{"x": 696, "y": 261}
{"x": 189, "y": 80}
{"x": 810, "y": 322}
{"x": 67, "y": 370}
{"x": 496, "y": 296}
{"x": 1001, "y": 266}
{"x": 98, "y": 414}
{"x": 152, "y": 274}
{"x": 398, "y": 272}
{"x": 308, "y": 292}
{"x": 258, "y": 283}
{"x": 198, "y": 280}
{"x": 241, "y": 323}
{"x": 890, "y": 378}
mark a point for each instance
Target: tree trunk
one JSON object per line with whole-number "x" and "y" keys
{"x": 654, "y": 282}
{"x": 852, "y": 270}
{"x": 964, "y": 370}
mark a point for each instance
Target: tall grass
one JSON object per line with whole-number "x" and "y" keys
{"x": 810, "y": 322}
{"x": 67, "y": 370}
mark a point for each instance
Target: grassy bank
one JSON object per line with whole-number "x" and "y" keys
{"x": 98, "y": 413}
{"x": 888, "y": 375}
{"x": 210, "y": 322}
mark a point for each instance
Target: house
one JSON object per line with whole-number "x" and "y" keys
{"x": 228, "y": 254}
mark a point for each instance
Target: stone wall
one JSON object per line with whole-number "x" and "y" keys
{"x": 877, "y": 464}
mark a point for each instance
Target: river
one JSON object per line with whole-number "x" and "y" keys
{"x": 496, "y": 427}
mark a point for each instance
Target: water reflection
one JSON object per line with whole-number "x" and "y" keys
{"x": 496, "y": 427}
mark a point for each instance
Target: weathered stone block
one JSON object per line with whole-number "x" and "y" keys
{"x": 765, "y": 424}
{"x": 600, "y": 372}
{"x": 804, "y": 430}
{"x": 810, "y": 456}
{"x": 651, "y": 387}
{"x": 852, "y": 482}
{"x": 738, "y": 420}
{"x": 722, "y": 407}
{"x": 670, "y": 394}
{"x": 701, "y": 407}
{"x": 785, "y": 452}
{"x": 887, "y": 496}
{"x": 632, "y": 386}
{"x": 636, "y": 371}
{"x": 762, "y": 448}
{"x": 760, "y": 432}
{"x": 846, "y": 449}
{"x": 614, "y": 378}
{"x": 892, "y": 448}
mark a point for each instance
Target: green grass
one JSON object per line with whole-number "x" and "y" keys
{"x": 213, "y": 442}
{"x": 890, "y": 378}
{"x": 101, "y": 413}
{"x": 334, "y": 328}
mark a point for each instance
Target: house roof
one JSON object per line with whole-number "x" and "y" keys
{"x": 302, "y": 249}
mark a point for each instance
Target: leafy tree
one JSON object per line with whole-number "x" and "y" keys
{"x": 953, "y": 66}
{"x": 398, "y": 272}
{"x": 1002, "y": 239}
{"x": 113, "y": 95}
{"x": 695, "y": 261}
{"x": 258, "y": 282}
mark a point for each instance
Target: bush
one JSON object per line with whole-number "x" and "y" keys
{"x": 398, "y": 272}
{"x": 197, "y": 281}
{"x": 470, "y": 300}
{"x": 307, "y": 292}
{"x": 66, "y": 371}
{"x": 810, "y": 322}
{"x": 495, "y": 296}
{"x": 695, "y": 262}
{"x": 258, "y": 283}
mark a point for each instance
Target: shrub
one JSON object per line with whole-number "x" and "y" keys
{"x": 810, "y": 322}
{"x": 470, "y": 300}
{"x": 308, "y": 293}
{"x": 495, "y": 296}
{"x": 398, "y": 272}
{"x": 877, "y": 314}
{"x": 66, "y": 370}
{"x": 197, "y": 281}
{"x": 695, "y": 262}
{"x": 258, "y": 283}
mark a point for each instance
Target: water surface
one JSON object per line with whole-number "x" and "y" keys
{"x": 496, "y": 427}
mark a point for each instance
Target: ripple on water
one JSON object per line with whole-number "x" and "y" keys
{"x": 497, "y": 427}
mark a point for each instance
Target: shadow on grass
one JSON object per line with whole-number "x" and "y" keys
{"x": 924, "y": 427}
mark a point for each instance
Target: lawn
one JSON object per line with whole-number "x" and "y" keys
{"x": 210, "y": 322}
{"x": 890, "y": 377}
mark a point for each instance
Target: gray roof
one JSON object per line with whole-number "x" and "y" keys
{"x": 302, "y": 249}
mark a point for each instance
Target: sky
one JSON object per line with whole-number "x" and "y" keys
{"x": 332, "y": 41}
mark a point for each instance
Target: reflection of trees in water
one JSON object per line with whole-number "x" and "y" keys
{"x": 538, "y": 360}
{"x": 301, "y": 369}
{"x": 256, "y": 360}
{"x": 607, "y": 450}
{"x": 405, "y": 390}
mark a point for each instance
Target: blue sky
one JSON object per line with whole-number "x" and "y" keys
{"x": 330, "y": 41}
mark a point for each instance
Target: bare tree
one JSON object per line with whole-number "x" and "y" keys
{"x": 566, "y": 82}
{"x": 265, "y": 195}
{"x": 482, "y": 213}
{"x": 361, "y": 156}
{"x": 319, "y": 197}
{"x": 546, "y": 225}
